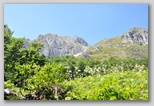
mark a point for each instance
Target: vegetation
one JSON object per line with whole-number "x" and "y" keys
{"x": 114, "y": 46}
{"x": 114, "y": 86}
{"x": 31, "y": 76}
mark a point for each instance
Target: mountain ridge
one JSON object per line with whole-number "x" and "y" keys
{"x": 54, "y": 45}
{"x": 132, "y": 44}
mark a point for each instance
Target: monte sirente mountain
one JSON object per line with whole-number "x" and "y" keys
{"x": 131, "y": 44}
{"x": 136, "y": 35}
{"x": 54, "y": 45}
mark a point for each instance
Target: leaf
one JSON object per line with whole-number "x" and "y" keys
{"x": 113, "y": 98}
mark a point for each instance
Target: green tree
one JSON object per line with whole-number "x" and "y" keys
{"x": 16, "y": 54}
{"x": 12, "y": 48}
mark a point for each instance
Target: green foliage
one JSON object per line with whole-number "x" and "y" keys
{"x": 28, "y": 73}
{"x": 16, "y": 55}
{"x": 31, "y": 54}
{"x": 76, "y": 67}
{"x": 12, "y": 47}
{"x": 24, "y": 72}
{"x": 115, "y": 86}
{"x": 50, "y": 74}
{"x": 8, "y": 84}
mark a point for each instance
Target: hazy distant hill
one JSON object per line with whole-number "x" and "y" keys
{"x": 133, "y": 43}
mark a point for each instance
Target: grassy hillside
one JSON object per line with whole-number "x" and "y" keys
{"x": 115, "y": 47}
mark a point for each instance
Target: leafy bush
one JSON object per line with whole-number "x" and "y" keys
{"x": 115, "y": 86}
{"x": 50, "y": 74}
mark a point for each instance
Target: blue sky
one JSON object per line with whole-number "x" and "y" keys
{"x": 93, "y": 22}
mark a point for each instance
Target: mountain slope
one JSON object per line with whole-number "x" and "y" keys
{"x": 133, "y": 44}
{"x": 55, "y": 45}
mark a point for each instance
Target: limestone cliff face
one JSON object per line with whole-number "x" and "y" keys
{"x": 136, "y": 35}
{"x": 55, "y": 45}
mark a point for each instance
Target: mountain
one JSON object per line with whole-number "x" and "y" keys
{"x": 132, "y": 44}
{"x": 55, "y": 45}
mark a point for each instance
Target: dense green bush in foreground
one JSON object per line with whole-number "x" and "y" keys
{"x": 114, "y": 86}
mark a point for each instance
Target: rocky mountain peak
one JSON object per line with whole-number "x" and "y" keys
{"x": 80, "y": 41}
{"x": 136, "y": 35}
{"x": 131, "y": 44}
{"x": 55, "y": 45}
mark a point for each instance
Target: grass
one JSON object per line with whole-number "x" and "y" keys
{"x": 114, "y": 47}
